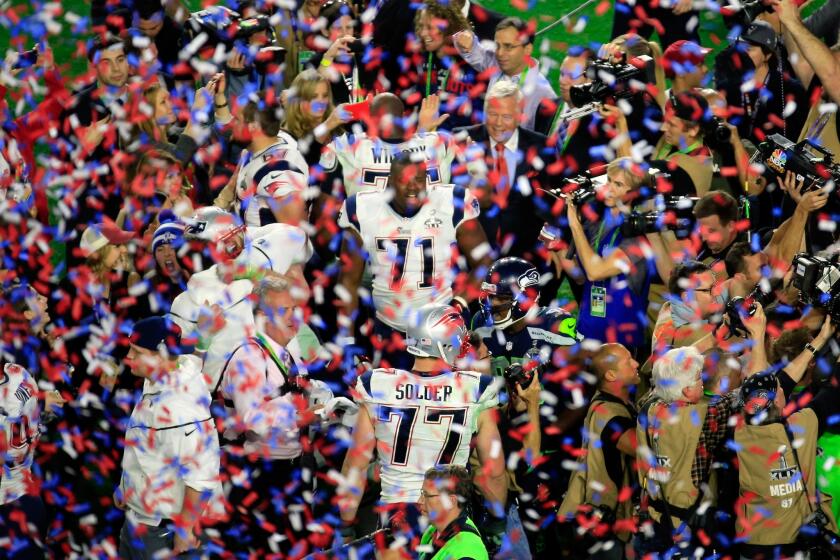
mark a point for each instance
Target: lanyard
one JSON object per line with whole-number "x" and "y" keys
{"x": 600, "y": 233}
{"x": 442, "y": 84}
{"x": 353, "y": 85}
{"x": 522, "y": 76}
{"x": 274, "y": 357}
{"x": 667, "y": 150}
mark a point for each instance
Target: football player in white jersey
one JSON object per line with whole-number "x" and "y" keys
{"x": 407, "y": 234}
{"x": 417, "y": 419}
{"x": 20, "y": 418}
{"x": 366, "y": 160}
{"x": 273, "y": 175}
{"x": 220, "y": 292}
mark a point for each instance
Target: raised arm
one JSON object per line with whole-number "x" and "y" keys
{"x": 817, "y": 53}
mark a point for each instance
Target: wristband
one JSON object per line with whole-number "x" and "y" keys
{"x": 326, "y": 63}
{"x": 222, "y": 106}
{"x": 810, "y": 348}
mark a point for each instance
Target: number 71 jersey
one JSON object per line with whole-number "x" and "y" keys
{"x": 410, "y": 257}
{"x": 421, "y": 421}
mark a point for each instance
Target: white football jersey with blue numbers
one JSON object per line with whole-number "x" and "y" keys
{"x": 411, "y": 259}
{"x": 19, "y": 431}
{"x": 266, "y": 177}
{"x": 366, "y": 162}
{"x": 421, "y": 421}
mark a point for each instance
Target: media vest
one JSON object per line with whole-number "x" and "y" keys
{"x": 591, "y": 483}
{"x": 466, "y": 543}
{"x": 774, "y": 504}
{"x": 669, "y": 434}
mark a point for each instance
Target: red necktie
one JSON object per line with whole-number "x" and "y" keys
{"x": 503, "y": 177}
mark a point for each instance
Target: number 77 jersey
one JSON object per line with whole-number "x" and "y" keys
{"x": 421, "y": 421}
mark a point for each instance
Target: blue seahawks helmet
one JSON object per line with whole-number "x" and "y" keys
{"x": 514, "y": 279}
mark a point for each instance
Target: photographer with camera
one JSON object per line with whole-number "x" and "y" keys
{"x": 597, "y": 489}
{"x": 782, "y": 512}
{"x": 614, "y": 270}
{"x": 687, "y": 315}
{"x": 679, "y": 435}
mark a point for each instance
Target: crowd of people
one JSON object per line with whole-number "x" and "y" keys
{"x": 391, "y": 293}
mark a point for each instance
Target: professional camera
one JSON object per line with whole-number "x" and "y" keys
{"x": 580, "y": 189}
{"x": 673, "y": 213}
{"x": 614, "y": 80}
{"x": 523, "y": 374}
{"x": 717, "y": 133}
{"x": 738, "y": 304}
{"x": 221, "y": 25}
{"x": 818, "y": 282}
{"x": 745, "y": 12}
{"x": 808, "y": 161}
{"x": 817, "y": 538}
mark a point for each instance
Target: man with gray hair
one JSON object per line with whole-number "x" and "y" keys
{"x": 679, "y": 434}
{"x": 510, "y": 166}
{"x": 512, "y": 63}
{"x": 266, "y": 405}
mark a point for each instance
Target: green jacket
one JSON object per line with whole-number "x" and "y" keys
{"x": 459, "y": 541}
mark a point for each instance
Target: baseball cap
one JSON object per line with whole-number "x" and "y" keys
{"x": 169, "y": 232}
{"x": 690, "y": 106}
{"x": 758, "y": 391}
{"x": 762, "y": 34}
{"x": 682, "y": 57}
{"x": 151, "y": 332}
{"x": 97, "y": 236}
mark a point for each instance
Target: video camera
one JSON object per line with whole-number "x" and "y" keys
{"x": 818, "y": 281}
{"x": 671, "y": 212}
{"x": 221, "y": 25}
{"x": 805, "y": 159}
{"x": 620, "y": 81}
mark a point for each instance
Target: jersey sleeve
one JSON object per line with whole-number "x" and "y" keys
{"x": 279, "y": 179}
{"x": 363, "y": 388}
{"x": 329, "y": 157}
{"x": 465, "y": 206}
{"x": 348, "y": 217}
{"x": 488, "y": 392}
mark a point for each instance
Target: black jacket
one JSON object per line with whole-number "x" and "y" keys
{"x": 525, "y": 213}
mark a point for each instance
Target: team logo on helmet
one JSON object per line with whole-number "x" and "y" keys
{"x": 530, "y": 278}
{"x": 196, "y": 227}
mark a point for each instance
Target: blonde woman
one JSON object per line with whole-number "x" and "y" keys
{"x": 155, "y": 124}
{"x": 310, "y": 116}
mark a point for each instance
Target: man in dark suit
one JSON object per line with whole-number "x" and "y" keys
{"x": 519, "y": 165}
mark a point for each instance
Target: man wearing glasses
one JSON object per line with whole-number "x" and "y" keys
{"x": 451, "y": 533}
{"x": 695, "y": 299}
{"x": 513, "y": 63}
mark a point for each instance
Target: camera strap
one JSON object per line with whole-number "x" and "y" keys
{"x": 667, "y": 150}
{"x": 812, "y": 506}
